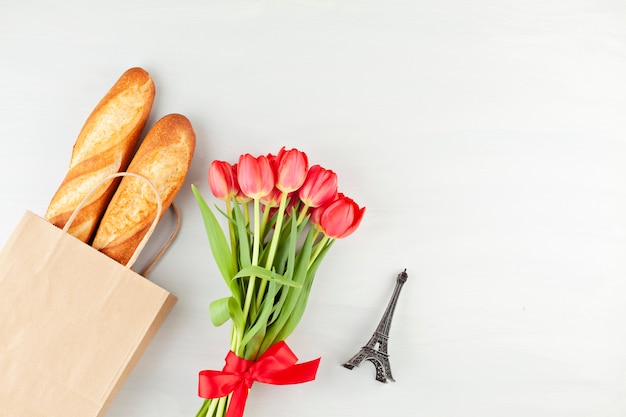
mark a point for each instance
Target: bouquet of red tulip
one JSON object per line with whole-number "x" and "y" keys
{"x": 283, "y": 216}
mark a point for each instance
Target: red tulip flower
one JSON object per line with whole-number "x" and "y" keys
{"x": 319, "y": 188}
{"x": 272, "y": 199}
{"x": 316, "y": 216}
{"x": 255, "y": 176}
{"x": 240, "y": 197}
{"x": 291, "y": 169}
{"x": 341, "y": 217}
{"x": 222, "y": 180}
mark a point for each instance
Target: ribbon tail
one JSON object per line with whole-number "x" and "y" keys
{"x": 295, "y": 374}
{"x": 237, "y": 402}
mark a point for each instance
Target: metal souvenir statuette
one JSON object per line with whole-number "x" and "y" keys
{"x": 375, "y": 350}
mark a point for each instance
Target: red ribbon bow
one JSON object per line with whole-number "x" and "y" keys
{"x": 276, "y": 366}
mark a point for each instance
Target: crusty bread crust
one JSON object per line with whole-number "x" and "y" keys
{"x": 105, "y": 146}
{"x": 164, "y": 158}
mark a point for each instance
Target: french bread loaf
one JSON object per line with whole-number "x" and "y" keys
{"x": 105, "y": 146}
{"x": 163, "y": 158}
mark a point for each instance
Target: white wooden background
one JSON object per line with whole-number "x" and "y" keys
{"x": 486, "y": 138}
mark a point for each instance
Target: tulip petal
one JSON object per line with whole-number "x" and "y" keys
{"x": 355, "y": 223}
{"x": 291, "y": 169}
{"x": 255, "y": 176}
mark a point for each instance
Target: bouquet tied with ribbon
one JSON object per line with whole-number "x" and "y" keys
{"x": 282, "y": 218}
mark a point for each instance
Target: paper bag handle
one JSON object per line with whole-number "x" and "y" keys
{"x": 153, "y": 226}
{"x": 148, "y": 268}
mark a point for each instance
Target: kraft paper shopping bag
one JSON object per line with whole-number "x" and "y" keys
{"x": 73, "y": 323}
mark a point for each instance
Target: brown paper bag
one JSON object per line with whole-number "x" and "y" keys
{"x": 73, "y": 323}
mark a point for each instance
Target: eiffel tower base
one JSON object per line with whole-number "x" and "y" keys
{"x": 379, "y": 359}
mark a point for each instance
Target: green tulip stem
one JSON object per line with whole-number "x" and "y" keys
{"x": 235, "y": 339}
{"x": 266, "y": 216}
{"x": 273, "y": 244}
{"x": 231, "y": 229}
{"x": 208, "y": 408}
{"x": 319, "y": 248}
{"x": 204, "y": 409}
{"x": 255, "y": 256}
{"x": 221, "y": 406}
{"x": 246, "y": 212}
{"x": 303, "y": 213}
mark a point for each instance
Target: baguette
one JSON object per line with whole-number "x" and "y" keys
{"x": 105, "y": 146}
{"x": 163, "y": 158}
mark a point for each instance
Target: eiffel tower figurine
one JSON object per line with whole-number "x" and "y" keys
{"x": 375, "y": 350}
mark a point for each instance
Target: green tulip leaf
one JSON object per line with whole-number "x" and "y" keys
{"x": 253, "y": 338}
{"x": 290, "y": 253}
{"x": 289, "y": 303}
{"x": 236, "y": 314}
{"x": 218, "y": 311}
{"x": 243, "y": 237}
{"x": 260, "y": 272}
{"x": 217, "y": 240}
{"x": 300, "y": 306}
